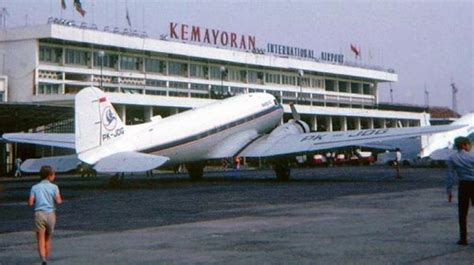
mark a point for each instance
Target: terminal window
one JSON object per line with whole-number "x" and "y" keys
{"x": 130, "y": 63}
{"x": 107, "y": 61}
{"x": 50, "y": 54}
{"x": 197, "y": 70}
{"x": 215, "y": 72}
{"x": 76, "y": 57}
{"x": 48, "y": 89}
{"x": 178, "y": 69}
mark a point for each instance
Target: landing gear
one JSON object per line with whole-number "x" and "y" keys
{"x": 195, "y": 170}
{"x": 116, "y": 180}
{"x": 282, "y": 169}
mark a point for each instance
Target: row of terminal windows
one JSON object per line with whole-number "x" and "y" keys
{"x": 195, "y": 90}
{"x": 110, "y": 60}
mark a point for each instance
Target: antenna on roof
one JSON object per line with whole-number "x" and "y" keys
{"x": 391, "y": 93}
{"x": 427, "y": 97}
{"x": 3, "y": 17}
{"x": 454, "y": 92}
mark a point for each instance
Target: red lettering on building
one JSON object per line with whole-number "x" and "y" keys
{"x": 195, "y": 34}
{"x": 224, "y": 38}
{"x": 215, "y": 34}
{"x": 233, "y": 40}
{"x": 207, "y": 37}
{"x": 251, "y": 42}
{"x": 242, "y": 43}
{"x": 184, "y": 32}
{"x": 173, "y": 33}
{"x": 211, "y": 36}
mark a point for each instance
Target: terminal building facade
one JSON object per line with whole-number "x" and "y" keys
{"x": 48, "y": 64}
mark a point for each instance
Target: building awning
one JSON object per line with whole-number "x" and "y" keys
{"x": 17, "y": 117}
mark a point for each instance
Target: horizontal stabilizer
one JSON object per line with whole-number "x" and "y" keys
{"x": 58, "y": 163}
{"x": 64, "y": 140}
{"x": 129, "y": 162}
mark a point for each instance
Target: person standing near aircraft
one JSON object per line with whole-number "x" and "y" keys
{"x": 462, "y": 164}
{"x": 43, "y": 197}
{"x": 17, "y": 167}
{"x": 398, "y": 160}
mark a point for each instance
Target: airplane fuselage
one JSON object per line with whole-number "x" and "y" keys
{"x": 193, "y": 135}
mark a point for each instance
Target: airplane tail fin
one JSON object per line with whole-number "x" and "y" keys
{"x": 96, "y": 120}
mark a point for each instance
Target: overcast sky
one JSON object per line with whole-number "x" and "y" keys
{"x": 428, "y": 43}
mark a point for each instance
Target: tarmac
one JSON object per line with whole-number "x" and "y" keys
{"x": 355, "y": 215}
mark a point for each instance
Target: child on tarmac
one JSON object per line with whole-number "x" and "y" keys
{"x": 43, "y": 197}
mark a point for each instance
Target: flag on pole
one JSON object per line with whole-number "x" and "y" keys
{"x": 63, "y": 4}
{"x": 78, "y": 5}
{"x": 127, "y": 16}
{"x": 355, "y": 50}
{"x": 455, "y": 89}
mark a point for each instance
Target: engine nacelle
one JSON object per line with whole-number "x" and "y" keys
{"x": 291, "y": 127}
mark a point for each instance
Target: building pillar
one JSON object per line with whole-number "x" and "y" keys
{"x": 314, "y": 123}
{"x": 343, "y": 123}
{"x": 174, "y": 111}
{"x": 329, "y": 123}
{"x": 121, "y": 111}
{"x": 148, "y": 113}
{"x": 357, "y": 123}
{"x": 3, "y": 159}
{"x": 384, "y": 123}
{"x": 371, "y": 123}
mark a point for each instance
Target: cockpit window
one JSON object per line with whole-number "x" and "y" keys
{"x": 276, "y": 102}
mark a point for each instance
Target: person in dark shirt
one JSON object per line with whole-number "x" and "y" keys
{"x": 461, "y": 164}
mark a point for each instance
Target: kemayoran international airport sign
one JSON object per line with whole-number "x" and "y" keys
{"x": 203, "y": 35}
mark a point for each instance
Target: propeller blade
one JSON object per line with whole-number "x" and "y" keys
{"x": 294, "y": 113}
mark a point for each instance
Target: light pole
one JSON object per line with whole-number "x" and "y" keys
{"x": 301, "y": 74}
{"x": 222, "y": 69}
{"x": 101, "y": 56}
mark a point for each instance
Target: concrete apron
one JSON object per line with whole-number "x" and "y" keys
{"x": 417, "y": 226}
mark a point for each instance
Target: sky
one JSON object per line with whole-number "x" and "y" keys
{"x": 428, "y": 43}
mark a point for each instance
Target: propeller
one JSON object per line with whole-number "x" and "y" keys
{"x": 294, "y": 113}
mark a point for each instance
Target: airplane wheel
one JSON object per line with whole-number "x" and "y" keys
{"x": 195, "y": 170}
{"x": 282, "y": 170}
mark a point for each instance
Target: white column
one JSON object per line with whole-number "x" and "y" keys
{"x": 343, "y": 123}
{"x": 174, "y": 111}
{"x": 357, "y": 123}
{"x": 371, "y": 123}
{"x": 148, "y": 113}
{"x": 121, "y": 111}
{"x": 314, "y": 123}
{"x": 329, "y": 123}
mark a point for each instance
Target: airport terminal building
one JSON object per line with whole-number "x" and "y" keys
{"x": 189, "y": 67}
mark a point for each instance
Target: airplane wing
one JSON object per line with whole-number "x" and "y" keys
{"x": 129, "y": 162}
{"x": 232, "y": 145}
{"x": 59, "y": 163}
{"x": 268, "y": 146}
{"x": 64, "y": 140}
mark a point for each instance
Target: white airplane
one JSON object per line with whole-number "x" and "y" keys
{"x": 246, "y": 125}
{"x": 440, "y": 145}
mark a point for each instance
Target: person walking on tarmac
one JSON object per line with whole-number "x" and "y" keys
{"x": 43, "y": 197}
{"x": 17, "y": 167}
{"x": 462, "y": 164}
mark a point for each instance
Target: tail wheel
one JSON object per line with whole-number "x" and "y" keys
{"x": 195, "y": 170}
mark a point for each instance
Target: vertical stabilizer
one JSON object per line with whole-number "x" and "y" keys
{"x": 96, "y": 120}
